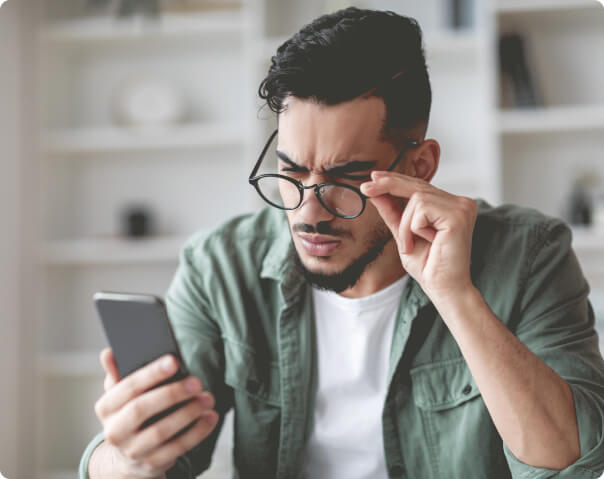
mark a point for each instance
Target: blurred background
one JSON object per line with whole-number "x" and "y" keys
{"x": 126, "y": 125}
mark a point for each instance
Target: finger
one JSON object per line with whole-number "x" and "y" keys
{"x": 135, "y": 384}
{"x": 176, "y": 447}
{"x": 395, "y": 184}
{"x": 127, "y": 420}
{"x": 426, "y": 233}
{"x": 109, "y": 382}
{"x": 165, "y": 429}
{"x": 110, "y": 367}
{"x": 421, "y": 226}
{"x": 390, "y": 209}
{"x": 405, "y": 234}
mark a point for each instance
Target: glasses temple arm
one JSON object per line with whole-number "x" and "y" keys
{"x": 261, "y": 157}
{"x": 402, "y": 154}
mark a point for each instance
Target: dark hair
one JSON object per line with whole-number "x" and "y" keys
{"x": 350, "y": 53}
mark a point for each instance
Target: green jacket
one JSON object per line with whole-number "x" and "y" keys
{"x": 244, "y": 319}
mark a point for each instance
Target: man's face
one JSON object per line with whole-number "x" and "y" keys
{"x": 334, "y": 251}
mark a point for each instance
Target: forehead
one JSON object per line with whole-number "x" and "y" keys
{"x": 310, "y": 132}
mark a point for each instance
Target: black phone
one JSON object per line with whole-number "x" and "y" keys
{"x": 138, "y": 330}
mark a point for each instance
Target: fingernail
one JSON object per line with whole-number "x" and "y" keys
{"x": 167, "y": 363}
{"x": 367, "y": 186}
{"x": 192, "y": 385}
{"x": 206, "y": 400}
{"x": 378, "y": 174}
{"x": 210, "y": 419}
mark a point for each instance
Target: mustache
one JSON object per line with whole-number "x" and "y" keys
{"x": 322, "y": 228}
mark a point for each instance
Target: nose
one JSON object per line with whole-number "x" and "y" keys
{"x": 311, "y": 211}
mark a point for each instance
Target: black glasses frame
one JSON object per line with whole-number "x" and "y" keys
{"x": 253, "y": 180}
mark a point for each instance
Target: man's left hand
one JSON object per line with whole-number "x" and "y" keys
{"x": 433, "y": 231}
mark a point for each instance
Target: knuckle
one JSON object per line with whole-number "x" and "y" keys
{"x": 419, "y": 198}
{"x": 153, "y": 462}
{"x": 158, "y": 433}
{"x": 99, "y": 408}
{"x": 178, "y": 445}
{"x": 131, "y": 387}
{"x": 131, "y": 453}
{"x": 136, "y": 410}
{"x": 110, "y": 436}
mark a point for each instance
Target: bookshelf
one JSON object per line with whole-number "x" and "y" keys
{"x": 193, "y": 174}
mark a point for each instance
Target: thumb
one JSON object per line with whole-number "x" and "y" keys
{"x": 108, "y": 363}
{"x": 391, "y": 211}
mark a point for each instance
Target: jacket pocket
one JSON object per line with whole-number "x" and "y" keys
{"x": 458, "y": 434}
{"x": 252, "y": 374}
{"x": 443, "y": 385}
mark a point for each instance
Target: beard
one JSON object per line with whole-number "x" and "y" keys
{"x": 351, "y": 274}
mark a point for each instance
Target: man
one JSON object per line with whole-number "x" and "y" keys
{"x": 367, "y": 324}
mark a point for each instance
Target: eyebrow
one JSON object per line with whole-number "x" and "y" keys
{"x": 354, "y": 165}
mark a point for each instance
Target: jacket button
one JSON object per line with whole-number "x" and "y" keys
{"x": 396, "y": 470}
{"x": 467, "y": 390}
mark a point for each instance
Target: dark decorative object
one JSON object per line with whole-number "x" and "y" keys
{"x": 148, "y": 8}
{"x": 580, "y": 206}
{"x": 516, "y": 77}
{"x": 124, "y": 8}
{"x": 137, "y": 221}
{"x": 461, "y": 13}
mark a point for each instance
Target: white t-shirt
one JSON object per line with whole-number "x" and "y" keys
{"x": 353, "y": 346}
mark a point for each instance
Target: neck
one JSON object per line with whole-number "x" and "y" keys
{"x": 385, "y": 270}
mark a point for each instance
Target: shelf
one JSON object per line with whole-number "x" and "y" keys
{"x": 112, "y": 251}
{"x": 450, "y": 42}
{"x": 588, "y": 239}
{"x": 551, "y": 119}
{"x": 511, "y": 6}
{"x": 113, "y": 138}
{"x": 109, "y": 29}
{"x": 70, "y": 364}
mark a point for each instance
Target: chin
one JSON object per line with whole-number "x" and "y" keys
{"x": 321, "y": 264}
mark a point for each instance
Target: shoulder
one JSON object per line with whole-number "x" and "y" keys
{"x": 518, "y": 229}
{"x": 243, "y": 241}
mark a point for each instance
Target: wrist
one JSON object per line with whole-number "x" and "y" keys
{"x": 456, "y": 305}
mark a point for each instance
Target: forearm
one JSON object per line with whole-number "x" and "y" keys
{"x": 103, "y": 464}
{"x": 531, "y": 406}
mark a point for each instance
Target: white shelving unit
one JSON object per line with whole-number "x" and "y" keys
{"x": 116, "y": 139}
{"x": 555, "y": 119}
{"x": 194, "y": 174}
{"x": 112, "y": 251}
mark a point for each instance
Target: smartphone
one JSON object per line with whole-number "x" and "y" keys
{"x": 139, "y": 331}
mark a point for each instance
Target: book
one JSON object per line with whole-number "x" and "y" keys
{"x": 517, "y": 75}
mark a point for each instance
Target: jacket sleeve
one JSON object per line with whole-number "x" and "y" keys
{"x": 200, "y": 343}
{"x": 557, "y": 324}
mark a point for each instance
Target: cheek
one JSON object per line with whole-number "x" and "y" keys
{"x": 366, "y": 225}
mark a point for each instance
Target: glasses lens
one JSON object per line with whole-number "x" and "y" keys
{"x": 341, "y": 200}
{"x": 279, "y": 192}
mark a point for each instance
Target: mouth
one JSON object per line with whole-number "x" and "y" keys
{"x": 318, "y": 245}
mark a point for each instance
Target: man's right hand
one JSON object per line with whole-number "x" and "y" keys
{"x": 126, "y": 404}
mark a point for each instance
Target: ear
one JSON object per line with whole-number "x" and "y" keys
{"x": 423, "y": 162}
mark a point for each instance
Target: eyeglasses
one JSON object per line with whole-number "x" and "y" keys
{"x": 284, "y": 192}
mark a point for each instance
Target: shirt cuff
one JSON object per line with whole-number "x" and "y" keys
{"x": 180, "y": 470}
{"x": 92, "y": 445}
